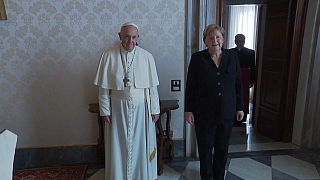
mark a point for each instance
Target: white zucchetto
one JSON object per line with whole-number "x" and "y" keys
{"x": 130, "y": 24}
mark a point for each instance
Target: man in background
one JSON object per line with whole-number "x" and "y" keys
{"x": 248, "y": 71}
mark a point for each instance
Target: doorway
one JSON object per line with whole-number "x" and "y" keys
{"x": 280, "y": 34}
{"x": 242, "y": 29}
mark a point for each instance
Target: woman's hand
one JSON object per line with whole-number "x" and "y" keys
{"x": 189, "y": 118}
{"x": 240, "y": 115}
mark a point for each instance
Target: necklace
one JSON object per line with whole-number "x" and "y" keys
{"x": 126, "y": 67}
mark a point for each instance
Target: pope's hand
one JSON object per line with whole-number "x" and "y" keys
{"x": 155, "y": 117}
{"x": 106, "y": 119}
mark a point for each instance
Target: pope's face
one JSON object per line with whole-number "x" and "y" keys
{"x": 214, "y": 40}
{"x": 129, "y": 37}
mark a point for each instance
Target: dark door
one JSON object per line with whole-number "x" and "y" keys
{"x": 275, "y": 69}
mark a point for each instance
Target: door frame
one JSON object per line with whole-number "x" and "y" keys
{"x": 299, "y": 14}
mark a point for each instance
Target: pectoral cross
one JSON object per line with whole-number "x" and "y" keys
{"x": 125, "y": 81}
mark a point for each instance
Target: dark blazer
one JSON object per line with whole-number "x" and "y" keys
{"x": 214, "y": 92}
{"x": 247, "y": 60}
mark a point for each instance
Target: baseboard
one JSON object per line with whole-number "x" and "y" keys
{"x": 66, "y": 155}
{"x": 57, "y": 156}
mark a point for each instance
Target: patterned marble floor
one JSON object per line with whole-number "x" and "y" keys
{"x": 251, "y": 157}
{"x": 266, "y": 165}
{"x": 263, "y": 165}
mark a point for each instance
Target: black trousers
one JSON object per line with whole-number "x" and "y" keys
{"x": 211, "y": 136}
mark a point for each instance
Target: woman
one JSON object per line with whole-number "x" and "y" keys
{"x": 213, "y": 97}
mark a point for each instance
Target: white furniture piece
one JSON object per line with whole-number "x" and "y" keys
{"x": 8, "y": 141}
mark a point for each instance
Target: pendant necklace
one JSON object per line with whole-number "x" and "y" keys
{"x": 126, "y": 67}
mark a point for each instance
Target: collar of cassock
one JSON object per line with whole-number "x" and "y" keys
{"x": 123, "y": 50}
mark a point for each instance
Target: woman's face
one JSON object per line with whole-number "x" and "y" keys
{"x": 214, "y": 40}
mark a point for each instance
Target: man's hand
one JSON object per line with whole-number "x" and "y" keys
{"x": 240, "y": 115}
{"x": 189, "y": 118}
{"x": 106, "y": 119}
{"x": 155, "y": 117}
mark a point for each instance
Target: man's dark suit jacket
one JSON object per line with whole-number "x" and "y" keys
{"x": 247, "y": 60}
{"x": 213, "y": 92}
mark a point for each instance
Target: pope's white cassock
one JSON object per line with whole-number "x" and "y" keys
{"x": 128, "y": 92}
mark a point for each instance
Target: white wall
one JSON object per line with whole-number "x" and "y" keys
{"x": 49, "y": 50}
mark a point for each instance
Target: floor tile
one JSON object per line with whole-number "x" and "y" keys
{"x": 192, "y": 171}
{"x": 169, "y": 174}
{"x": 178, "y": 166}
{"x": 252, "y": 139}
{"x": 312, "y": 156}
{"x": 182, "y": 177}
{"x": 99, "y": 175}
{"x": 250, "y": 169}
{"x": 272, "y": 146}
{"x": 295, "y": 167}
{"x": 230, "y": 176}
{"x": 261, "y": 147}
{"x": 237, "y": 148}
{"x": 91, "y": 171}
{"x": 278, "y": 175}
{"x": 266, "y": 160}
{"x": 238, "y": 137}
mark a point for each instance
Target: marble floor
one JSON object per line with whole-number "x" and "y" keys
{"x": 251, "y": 157}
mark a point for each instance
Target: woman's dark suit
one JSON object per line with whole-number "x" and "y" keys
{"x": 213, "y": 95}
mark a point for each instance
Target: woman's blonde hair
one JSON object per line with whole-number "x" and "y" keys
{"x": 210, "y": 28}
